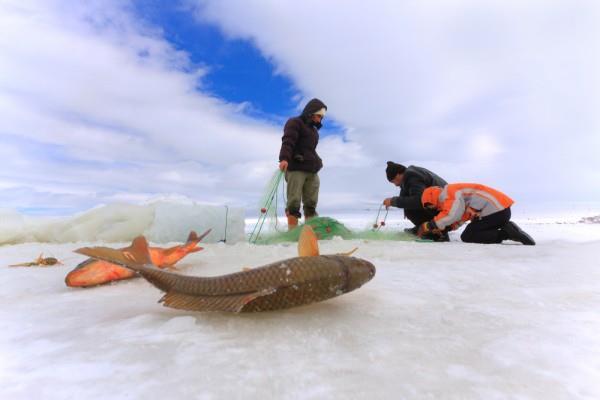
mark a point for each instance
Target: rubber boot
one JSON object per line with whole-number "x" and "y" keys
{"x": 292, "y": 221}
{"x": 412, "y": 231}
{"x": 514, "y": 232}
{"x": 442, "y": 237}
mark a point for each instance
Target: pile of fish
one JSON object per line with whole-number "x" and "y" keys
{"x": 283, "y": 284}
{"x": 93, "y": 272}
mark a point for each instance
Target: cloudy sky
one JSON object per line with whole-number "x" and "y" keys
{"x": 127, "y": 101}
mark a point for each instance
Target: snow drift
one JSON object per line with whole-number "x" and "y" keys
{"x": 160, "y": 222}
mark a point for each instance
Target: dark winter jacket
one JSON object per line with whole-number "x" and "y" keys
{"x": 416, "y": 179}
{"x": 300, "y": 138}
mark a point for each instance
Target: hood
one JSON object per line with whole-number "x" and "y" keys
{"x": 312, "y": 107}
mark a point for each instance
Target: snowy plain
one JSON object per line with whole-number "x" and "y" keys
{"x": 438, "y": 321}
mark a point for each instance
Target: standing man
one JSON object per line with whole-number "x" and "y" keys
{"x": 299, "y": 159}
{"x": 412, "y": 182}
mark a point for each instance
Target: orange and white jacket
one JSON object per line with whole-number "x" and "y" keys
{"x": 461, "y": 202}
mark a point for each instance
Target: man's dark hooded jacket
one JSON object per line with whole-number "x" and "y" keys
{"x": 415, "y": 181}
{"x": 300, "y": 138}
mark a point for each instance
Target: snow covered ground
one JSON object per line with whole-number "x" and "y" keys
{"x": 448, "y": 320}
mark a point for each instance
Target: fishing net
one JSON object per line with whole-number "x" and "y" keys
{"x": 327, "y": 228}
{"x": 269, "y": 229}
{"x": 272, "y": 203}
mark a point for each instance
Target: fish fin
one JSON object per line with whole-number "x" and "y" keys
{"x": 231, "y": 303}
{"x": 193, "y": 237}
{"x": 348, "y": 253}
{"x": 134, "y": 256}
{"x": 308, "y": 245}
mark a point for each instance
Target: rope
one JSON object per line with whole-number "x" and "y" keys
{"x": 284, "y": 197}
{"x": 377, "y": 225}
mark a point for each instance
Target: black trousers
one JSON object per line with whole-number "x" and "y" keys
{"x": 487, "y": 229}
{"x": 419, "y": 216}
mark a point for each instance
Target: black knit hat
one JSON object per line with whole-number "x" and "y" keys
{"x": 394, "y": 169}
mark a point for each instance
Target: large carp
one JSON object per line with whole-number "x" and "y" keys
{"x": 94, "y": 272}
{"x": 282, "y": 284}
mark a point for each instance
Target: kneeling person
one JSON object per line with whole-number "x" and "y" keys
{"x": 412, "y": 180}
{"x": 487, "y": 209}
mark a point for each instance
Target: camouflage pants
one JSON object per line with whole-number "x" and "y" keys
{"x": 302, "y": 187}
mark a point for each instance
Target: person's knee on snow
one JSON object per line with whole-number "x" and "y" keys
{"x": 468, "y": 237}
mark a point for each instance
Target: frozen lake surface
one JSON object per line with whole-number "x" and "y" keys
{"x": 448, "y": 320}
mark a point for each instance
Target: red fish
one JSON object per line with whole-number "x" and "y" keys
{"x": 94, "y": 272}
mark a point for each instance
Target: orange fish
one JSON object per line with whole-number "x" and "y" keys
{"x": 92, "y": 272}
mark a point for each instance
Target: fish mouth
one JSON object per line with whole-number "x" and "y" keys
{"x": 372, "y": 270}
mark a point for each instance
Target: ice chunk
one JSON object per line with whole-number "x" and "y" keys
{"x": 173, "y": 221}
{"x": 160, "y": 222}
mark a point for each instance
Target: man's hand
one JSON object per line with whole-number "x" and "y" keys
{"x": 427, "y": 228}
{"x": 387, "y": 202}
{"x": 283, "y": 165}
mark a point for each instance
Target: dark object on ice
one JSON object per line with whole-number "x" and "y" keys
{"x": 514, "y": 232}
{"x": 590, "y": 220}
{"x": 412, "y": 231}
{"x": 283, "y": 284}
{"x": 40, "y": 261}
{"x": 442, "y": 237}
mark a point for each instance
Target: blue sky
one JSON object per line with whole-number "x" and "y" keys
{"x": 237, "y": 70}
{"x": 132, "y": 101}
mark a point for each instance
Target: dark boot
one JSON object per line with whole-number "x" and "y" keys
{"x": 443, "y": 237}
{"x": 517, "y": 234}
{"x": 412, "y": 231}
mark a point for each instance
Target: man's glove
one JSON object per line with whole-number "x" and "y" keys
{"x": 428, "y": 228}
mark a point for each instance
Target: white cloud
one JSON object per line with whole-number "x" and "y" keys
{"x": 97, "y": 106}
{"x": 94, "y": 103}
{"x": 507, "y": 92}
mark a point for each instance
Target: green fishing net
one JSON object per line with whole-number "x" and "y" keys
{"x": 268, "y": 229}
{"x": 327, "y": 228}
